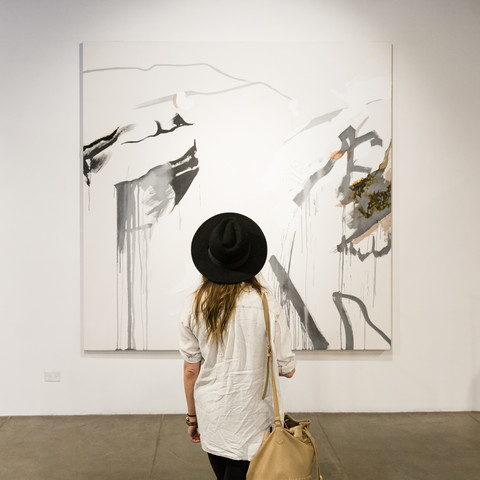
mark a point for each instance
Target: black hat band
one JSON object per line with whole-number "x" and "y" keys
{"x": 231, "y": 265}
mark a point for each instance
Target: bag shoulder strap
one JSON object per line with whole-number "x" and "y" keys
{"x": 266, "y": 316}
{"x": 276, "y": 408}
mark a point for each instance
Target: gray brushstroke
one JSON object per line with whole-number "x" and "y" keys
{"x": 315, "y": 122}
{"x": 327, "y": 117}
{"x": 342, "y": 246}
{"x": 367, "y": 213}
{"x": 131, "y": 344}
{"x": 338, "y": 298}
{"x": 301, "y": 196}
{"x": 361, "y": 228}
{"x": 163, "y": 187}
{"x": 346, "y": 322}
{"x": 144, "y": 264}
{"x": 159, "y": 190}
{"x": 291, "y": 294}
{"x": 349, "y": 142}
{"x": 346, "y": 246}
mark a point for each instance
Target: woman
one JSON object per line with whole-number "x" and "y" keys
{"x": 223, "y": 342}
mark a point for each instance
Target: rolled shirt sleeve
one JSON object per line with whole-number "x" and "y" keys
{"x": 189, "y": 345}
{"x": 283, "y": 341}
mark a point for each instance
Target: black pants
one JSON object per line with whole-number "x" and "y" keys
{"x": 227, "y": 469}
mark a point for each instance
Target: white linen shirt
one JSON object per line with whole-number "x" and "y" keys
{"x": 232, "y": 417}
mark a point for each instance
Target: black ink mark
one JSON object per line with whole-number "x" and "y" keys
{"x": 177, "y": 122}
{"x": 94, "y": 156}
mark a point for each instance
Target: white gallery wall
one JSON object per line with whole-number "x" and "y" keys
{"x": 435, "y": 360}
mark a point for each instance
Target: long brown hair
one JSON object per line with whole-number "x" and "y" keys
{"x": 215, "y": 304}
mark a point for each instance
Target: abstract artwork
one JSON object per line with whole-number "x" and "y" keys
{"x": 295, "y": 135}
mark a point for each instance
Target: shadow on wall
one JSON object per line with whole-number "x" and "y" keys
{"x": 475, "y": 392}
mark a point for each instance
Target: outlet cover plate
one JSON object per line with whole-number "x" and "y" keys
{"x": 53, "y": 376}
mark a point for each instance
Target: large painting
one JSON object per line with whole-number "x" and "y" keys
{"x": 295, "y": 135}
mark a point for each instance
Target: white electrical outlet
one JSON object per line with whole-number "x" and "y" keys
{"x": 53, "y": 376}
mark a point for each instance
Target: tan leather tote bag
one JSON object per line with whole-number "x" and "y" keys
{"x": 286, "y": 453}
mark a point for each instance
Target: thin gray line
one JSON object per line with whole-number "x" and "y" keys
{"x": 329, "y": 441}
{"x": 5, "y": 421}
{"x": 392, "y": 206}
{"x": 169, "y": 98}
{"x": 363, "y": 122}
{"x": 474, "y": 417}
{"x": 376, "y": 100}
{"x": 146, "y": 293}
{"x": 118, "y": 312}
{"x": 291, "y": 252}
{"x": 315, "y": 122}
{"x": 186, "y": 65}
{"x": 157, "y": 443}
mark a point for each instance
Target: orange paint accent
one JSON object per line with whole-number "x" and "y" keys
{"x": 336, "y": 155}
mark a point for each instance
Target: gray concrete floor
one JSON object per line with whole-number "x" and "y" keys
{"x": 420, "y": 446}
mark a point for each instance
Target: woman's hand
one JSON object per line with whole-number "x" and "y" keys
{"x": 194, "y": 434}
{"x": 288, "y": 375}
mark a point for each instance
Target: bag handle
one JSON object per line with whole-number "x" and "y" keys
{"x": 315, "y": 449}
{"x": 276, "y": 409}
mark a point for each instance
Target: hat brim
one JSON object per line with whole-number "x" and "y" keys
{"x": 218, "y": 274}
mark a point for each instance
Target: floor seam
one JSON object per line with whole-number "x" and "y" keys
{"x": 157, "y": 442}
{"x": 329, "y": 442}
{"x": 474, "y": 417}
{"x": 7, "y": 419}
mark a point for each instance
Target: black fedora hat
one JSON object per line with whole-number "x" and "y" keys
{"x": 229, "y": 248}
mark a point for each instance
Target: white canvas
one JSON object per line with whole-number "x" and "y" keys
{"x": 296, "y": 136}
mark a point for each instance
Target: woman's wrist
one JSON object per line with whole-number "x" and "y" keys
{"x": 191, "y": 421}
